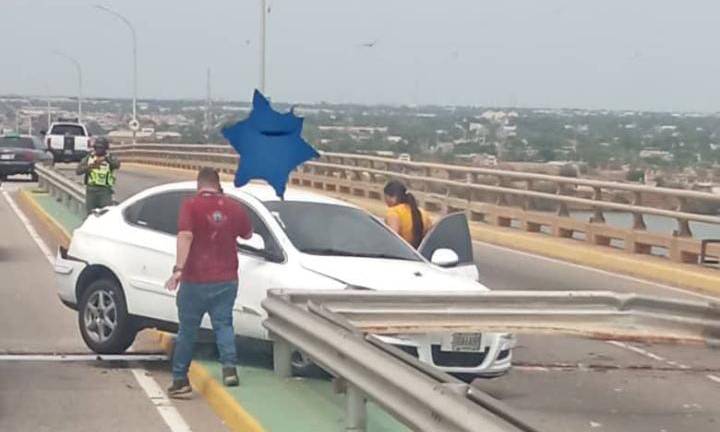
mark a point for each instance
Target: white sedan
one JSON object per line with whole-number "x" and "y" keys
{"x": 115, "y": 269}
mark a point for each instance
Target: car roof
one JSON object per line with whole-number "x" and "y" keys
{"x": 262, "y": 192}
{"x": 14, "y": 135}
{"x": 66, "y": 123}
{"x": 23, "y": 136}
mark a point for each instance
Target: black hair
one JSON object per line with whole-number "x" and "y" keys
{"x": 208, "y": 177}
{"x": 396, "y": 189}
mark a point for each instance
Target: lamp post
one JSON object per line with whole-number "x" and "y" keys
{"x": 135, "y": 69}
{"x": 78, "y": 68}
{"x": 263, "y": 44}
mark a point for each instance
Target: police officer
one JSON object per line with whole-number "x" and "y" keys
{"x": 99, "y": 168}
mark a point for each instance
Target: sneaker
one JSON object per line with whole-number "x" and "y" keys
{"x": 230, "y": 378}
{"x": 179, "y": 388}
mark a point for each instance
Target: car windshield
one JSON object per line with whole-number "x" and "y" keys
{"x": 17, "y": 142}
{"x": 334, "y": 230}
{"x": 71, "y": 130}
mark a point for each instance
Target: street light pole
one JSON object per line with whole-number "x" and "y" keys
{"x": 78, "y": 68}
{"x": 49, "y": 109}
{"x": 263, "y": 44}
{"x": 135, "y": 68}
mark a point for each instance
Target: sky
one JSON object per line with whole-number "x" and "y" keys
{"x": 603, "y": 54}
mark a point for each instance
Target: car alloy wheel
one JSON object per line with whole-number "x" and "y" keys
{"x": 100, "y": 316}
{"x": 105, "y": 325}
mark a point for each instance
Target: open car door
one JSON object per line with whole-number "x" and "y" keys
{"x": 451, "y": 232}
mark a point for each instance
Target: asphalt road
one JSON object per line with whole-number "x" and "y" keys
{"x": 41, "y": 388}
{"x": 571, "y": 384}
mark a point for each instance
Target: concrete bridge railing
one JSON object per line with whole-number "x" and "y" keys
{"x": 528, "y": 201}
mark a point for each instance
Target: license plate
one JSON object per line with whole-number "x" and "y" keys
{"x": 67, "y": 152}
{"x": 7, "y": 157}
{"x": 471, "y": 342}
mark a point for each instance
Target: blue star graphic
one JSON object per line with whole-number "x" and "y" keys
{"x": 270, "y": 145}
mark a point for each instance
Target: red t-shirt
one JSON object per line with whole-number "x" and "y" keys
{"x": 215, "y": 222}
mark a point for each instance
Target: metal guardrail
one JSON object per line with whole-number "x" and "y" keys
{"x": 331, "y": 327}
{"x": 493, "y": 196}
{"x": 64, "y": 189}
{"x": 594, "y": 314}
{"x": 422, "y": 398}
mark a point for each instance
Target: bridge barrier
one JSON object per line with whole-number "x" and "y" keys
{"x": 590, "y": 314}
{"x": 531, "y": 202}
{"x": 332, "y": 328}
{"x": 65, "y": 190}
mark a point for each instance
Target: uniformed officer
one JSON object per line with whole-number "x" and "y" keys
{"x": 99, "y": 168}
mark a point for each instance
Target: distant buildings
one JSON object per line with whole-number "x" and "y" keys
{"x": 652, "y": 153}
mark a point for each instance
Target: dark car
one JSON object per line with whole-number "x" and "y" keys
{"x": 19, "y": 154}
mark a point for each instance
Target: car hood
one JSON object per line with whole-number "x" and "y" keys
{"x": 388, "y": 275}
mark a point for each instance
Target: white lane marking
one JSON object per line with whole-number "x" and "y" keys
{"x": 638, "y": 350}
{"x": 152, "y": 389}
{"x": 714, "y": 378}
{"x": 28, "y": 227}
{"x": 596, "y": 270}
{"x": 81, "y": 357}
{"x": 164, "y": 406}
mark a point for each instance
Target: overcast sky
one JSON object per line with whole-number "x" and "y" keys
{"x": 618, "y": 54}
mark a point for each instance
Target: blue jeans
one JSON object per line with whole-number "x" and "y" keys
{"x": 193, "y": 301}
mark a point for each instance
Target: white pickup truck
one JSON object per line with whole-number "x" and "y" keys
{"x": 67, "y": 141}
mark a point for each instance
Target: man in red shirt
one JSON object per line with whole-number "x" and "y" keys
{"x": 206, "y": 270}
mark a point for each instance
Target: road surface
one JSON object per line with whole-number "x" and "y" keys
{"x": 49, "y": 381}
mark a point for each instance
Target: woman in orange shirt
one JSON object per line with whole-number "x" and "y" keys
{"x": 404, "y": 216}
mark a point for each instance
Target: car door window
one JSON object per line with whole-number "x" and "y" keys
{"x": 157, "y": 212}
{"x": 452, "y": 232}
{"x": 260, "y": 228}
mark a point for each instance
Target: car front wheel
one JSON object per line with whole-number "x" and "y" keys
{"x": 104, "y": 323}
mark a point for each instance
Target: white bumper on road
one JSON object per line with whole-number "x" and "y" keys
{"x": 492, "y": 359}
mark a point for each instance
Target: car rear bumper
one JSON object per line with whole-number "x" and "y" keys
{"x": 67, "y": 272}
{"x": 68, "y": 155}
{"x": 493, "y": 359}
{"x": 16, "y": 167}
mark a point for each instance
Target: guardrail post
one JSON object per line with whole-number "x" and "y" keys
{"x": 355, "y": 410}
{"x": 282, "y": 357}
{"x": 500, "y": 198}
{"x": 598, "y": 216}
{"x": 562, "y": 209}
{"x": 528, "y": 203}
{"x": 683, "y": 229}
{"x": 638, "y": 219}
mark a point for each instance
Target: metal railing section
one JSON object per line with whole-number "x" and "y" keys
{"x": 335, "y": 330}
{"x": 593, "y": 314}
{"x": 498, "y": 197}
{"x": 65, "y": 190}
{"x": 420, "y": 397}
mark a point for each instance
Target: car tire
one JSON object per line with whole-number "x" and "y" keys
{"x": 34, "y": 176}
{"x": 303, "y": 366}
{"x": 104, "y": 323}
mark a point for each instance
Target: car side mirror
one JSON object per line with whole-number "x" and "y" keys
{"x": 445, "y": 258}
{"x": 255, "y": 243}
